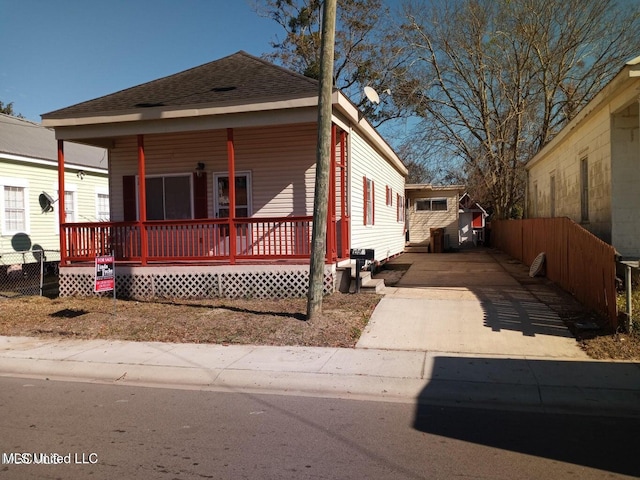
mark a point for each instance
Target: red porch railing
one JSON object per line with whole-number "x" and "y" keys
{"x": 190, "y": 240}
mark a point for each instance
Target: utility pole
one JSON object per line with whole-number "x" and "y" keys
{"x": 323, "y": 161}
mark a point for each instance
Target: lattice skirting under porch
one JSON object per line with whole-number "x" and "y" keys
{"x": 199, "y": 282}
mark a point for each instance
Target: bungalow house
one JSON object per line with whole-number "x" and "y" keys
{"x": 433, "y": 208}
{"x": 29, "y": 189}
{"x": 211, "y": 174}
{"x": 590, "y": 172}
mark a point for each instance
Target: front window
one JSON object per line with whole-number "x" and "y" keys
{"x": 69, "y": 207}
{"x": 243, "y": 195}
{"x": 15, "y": 211}
{"x": 102, "y": 207}
{"x": 431, "y": 204}
{"x": 169, "y": 198}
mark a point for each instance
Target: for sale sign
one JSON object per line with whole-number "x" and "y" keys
{"x": 105, "y": 274}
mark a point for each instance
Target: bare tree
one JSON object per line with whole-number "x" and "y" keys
{"x": 495, "y": 80}
{"x": 366, "y": 54}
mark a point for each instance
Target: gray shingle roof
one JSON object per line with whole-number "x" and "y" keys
{"x": 237, "y": 79}
{"x": 27, "y": 139}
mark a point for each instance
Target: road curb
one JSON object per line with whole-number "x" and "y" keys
{"x": 504, "y": 396}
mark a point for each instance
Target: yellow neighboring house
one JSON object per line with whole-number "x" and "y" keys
{"x": 29, "y": 188}
{"x": 590, "y": 172}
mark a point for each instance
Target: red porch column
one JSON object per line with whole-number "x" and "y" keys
{"x": 61, "y": 209}
{"x": 142, "y": 201}
{"x": 231, "y": 160}
{"x": 332, "y": 244}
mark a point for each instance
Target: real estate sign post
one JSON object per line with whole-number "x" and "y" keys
{"x": 105, "y": 279}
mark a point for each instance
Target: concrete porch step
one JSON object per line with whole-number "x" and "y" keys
{"x": 371, "y": 285}
{"x": 347, "y": 281}
{"x": 367, "y": 283}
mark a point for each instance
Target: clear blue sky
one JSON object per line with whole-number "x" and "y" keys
{"x": 56, "y": 53}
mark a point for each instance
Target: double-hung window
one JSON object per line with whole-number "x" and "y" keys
{"x": 400, "y": 208}
{"x": 70, "y": 207}
{"x": 369, "y": 201}
{"x": 102, "y": 204}
{"x": 15, "y": 206}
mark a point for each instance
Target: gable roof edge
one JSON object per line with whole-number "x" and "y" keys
{"x": 629, "y": 71}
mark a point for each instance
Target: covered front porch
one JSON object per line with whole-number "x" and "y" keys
{"x": 210, "y": 254}
{"x": 202, "y": 239}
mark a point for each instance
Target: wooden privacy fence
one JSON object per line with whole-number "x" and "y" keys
{"x": 577, "y": 260}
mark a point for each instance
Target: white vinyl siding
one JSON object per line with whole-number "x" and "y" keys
{"x": 281, "y": 161}
{"x": 386, "y": 236}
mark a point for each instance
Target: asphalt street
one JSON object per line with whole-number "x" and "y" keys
{"x": 113, "y": 431}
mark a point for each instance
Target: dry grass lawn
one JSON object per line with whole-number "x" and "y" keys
{"x": 260, "y": 322}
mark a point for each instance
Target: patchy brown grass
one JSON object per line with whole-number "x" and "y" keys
{"x": 607, "y": 344}
{"x": 600, "y": 340}
{"x": 224, "y": 321}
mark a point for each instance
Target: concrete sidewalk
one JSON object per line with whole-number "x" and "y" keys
{"x": 490, "y": 381}
{"x": 468, "y": 329}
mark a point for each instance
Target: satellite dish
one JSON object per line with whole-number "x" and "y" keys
{"x": 371, "y": 94}
{"x": 537, "y": 267}
{"x": 46, "y": 202}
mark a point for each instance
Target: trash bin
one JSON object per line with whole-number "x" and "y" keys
{"x": 436, "y": 240}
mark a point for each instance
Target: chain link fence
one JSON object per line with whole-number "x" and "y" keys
{"x": 33, "y": 272}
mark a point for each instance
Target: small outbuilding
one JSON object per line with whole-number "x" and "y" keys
{"x": 471, "y": 222}
{"x": 432, "y": 211}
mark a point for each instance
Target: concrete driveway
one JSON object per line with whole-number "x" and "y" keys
{"x": 473, "y": 302}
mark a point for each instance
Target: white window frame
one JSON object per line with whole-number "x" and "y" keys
{"x": 400, "y": 208}
{"x": 74, "y": 204}
{"x": 17, "y": 183}
{"x": 245, "y": 173}
{"x": 104, "y": 191}
{"x": 71, "y": 188}
{"x": 431, "y": 200}
{"x": 369, "y": 199}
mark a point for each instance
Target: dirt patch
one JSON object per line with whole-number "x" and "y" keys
{"x": 599, "y": 340}
{"x": 257, "y": 322}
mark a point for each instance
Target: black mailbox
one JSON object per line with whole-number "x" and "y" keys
{"x": 362, "y": 253}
